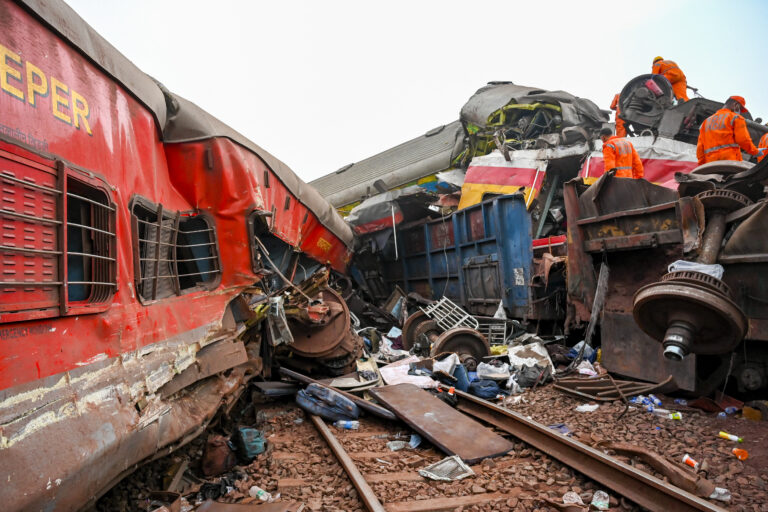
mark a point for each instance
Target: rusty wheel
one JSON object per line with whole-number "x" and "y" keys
{"x": 689, "y": 315}
{"x": 469, "y": 344}
{"x": 322, "y": 341}
{"x": 412, "y": 328}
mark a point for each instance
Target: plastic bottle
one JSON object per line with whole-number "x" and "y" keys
{"x": 740, "y": 454}
{"x": 261, "y": 494}
{"x": 730, "y": 437}
{"x": 681, "y": 401}
{"x": 347, "y": 424}
{"x": 658, "y": 411}
{"x": 687, "y": 459}
{"x": 675, "y": 415}
{"x": 731, "y": 410}
{"x": 655, "y": 400}
{"x": 721, "y": 415}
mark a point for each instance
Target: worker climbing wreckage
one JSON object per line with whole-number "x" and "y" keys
{"x": 672, "y": 72}
{"x": 529, "y": 307}
{"x": 620, "y": 156}
{"x": 724, "y": 135}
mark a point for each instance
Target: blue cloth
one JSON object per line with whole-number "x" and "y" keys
{"x": 462, "y": 378}
{"x": 484, "y": 389}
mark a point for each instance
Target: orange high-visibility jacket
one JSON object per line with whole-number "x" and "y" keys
{"x": 762, "y": 147}
{"x": 675, "y": 76}
{"x": 722, "y": 136}
{"x": 620, "y": 154}
{"x": 621, "y": 131}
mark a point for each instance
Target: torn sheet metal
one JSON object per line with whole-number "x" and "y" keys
{"x": 444, "y": 426}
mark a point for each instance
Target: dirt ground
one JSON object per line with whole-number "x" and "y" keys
{"x": 299, "y": 465}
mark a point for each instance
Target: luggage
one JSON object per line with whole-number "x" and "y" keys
{"x": 326, "y": 403}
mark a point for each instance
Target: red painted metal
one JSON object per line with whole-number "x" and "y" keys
{"x": 73, "y": 372}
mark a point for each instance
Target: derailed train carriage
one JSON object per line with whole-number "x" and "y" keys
{"x": 140, "y": 239}
{"x": 513, "y": 251}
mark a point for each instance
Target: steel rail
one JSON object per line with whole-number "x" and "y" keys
{"x": 364, "y": 490}
{"x": 638, "y": 486}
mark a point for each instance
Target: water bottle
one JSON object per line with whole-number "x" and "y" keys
{"x": 721, "y": 415}
{"x": 347, "y": 424}
{"x": 261, "y": 494}
{"x": 655, "y": 400}
{"x": 681, "y": 401}
{"x": 731, "y": 410}
{"x": 675, "y": 415}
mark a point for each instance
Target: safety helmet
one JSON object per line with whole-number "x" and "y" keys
{"x": 657, "y": 59}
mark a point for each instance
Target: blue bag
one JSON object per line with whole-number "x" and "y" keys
{"x": 485, "y": 388}
{"x": 326, "y": 403}
{"x": 249, "y": 442}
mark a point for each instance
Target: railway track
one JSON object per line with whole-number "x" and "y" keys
{"x": 513, "y": 481}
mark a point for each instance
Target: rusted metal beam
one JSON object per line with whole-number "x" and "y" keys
{"x": 364, "y": 490}
{"x": 638, "y": 486}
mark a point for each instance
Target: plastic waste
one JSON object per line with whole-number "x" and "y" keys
{"x": 347, "y": 424}
{"x": 740, "y": 453}
{"x": 396, "y": 445}
{"x": 656, "y": 401}
{"x": 414, "y": 441}
{"x": 721, "y": 494}
{"x": 257, "y": 492}
{"x": 690, "y": 461}
{"x": 722, "y": 415}
{"x": 731, "y": 410}
{"x": 600, "y": 500}
{"x": 714, "y": 270}
{"x": 675, "y": 415}
{"x": 681, "y": 401}
{"x": 249, "y": 442}
{"x": 572, "y": 498}
{"x": 730, "y": 437}
{"x": 587, "y": 407}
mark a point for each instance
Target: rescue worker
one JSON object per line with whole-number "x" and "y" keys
{"x": 669, "y": 70}
{"x": 723, "y": 135}
{"x": 762, "y": 147}
{"x": 621, "y": 130}
{"x": 619, "y": 155}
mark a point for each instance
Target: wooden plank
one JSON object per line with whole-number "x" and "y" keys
{"x": 444, "y": 426}
{"x": 407, "y": 476}
{"x": 446, "y": 504}
{"x": 290, "y": 483}
{"x": 370, "y": 455}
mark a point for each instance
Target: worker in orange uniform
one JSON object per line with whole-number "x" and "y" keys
{"x": 619, "y": 155}
{"x": 723, "y": 135}
{"x": 621, "y": 130}
{"x": 762, "y": 147}
{"x": 669, "y": 70}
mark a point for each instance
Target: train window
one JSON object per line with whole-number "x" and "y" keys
{"x": 175, "y": 253}
{"x": 91, "y": 247}
{"x": 57, "y": 240}
{"x": 196, "y": 257}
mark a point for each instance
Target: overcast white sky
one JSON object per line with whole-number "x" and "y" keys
{"x": 321, "y": 84}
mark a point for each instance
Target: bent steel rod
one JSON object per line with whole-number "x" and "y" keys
{"x": 367, "y": 496}
{"x": 638, "y": 486}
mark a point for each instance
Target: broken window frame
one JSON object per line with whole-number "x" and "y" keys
{"x": 155, "y": 243}
{"x": 99, "y": 239}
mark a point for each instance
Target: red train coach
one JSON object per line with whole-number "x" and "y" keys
{"x": 130, "y": 220}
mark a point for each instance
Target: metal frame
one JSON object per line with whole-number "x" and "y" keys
{"x": 103, "y": 278}
{"x": 161, "y": 225}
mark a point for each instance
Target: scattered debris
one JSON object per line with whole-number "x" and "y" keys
{"x": 447, "y": 470}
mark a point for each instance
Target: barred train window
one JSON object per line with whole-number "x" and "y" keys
{"x": 53, "y": 263}
{"x": 176, "y": 252}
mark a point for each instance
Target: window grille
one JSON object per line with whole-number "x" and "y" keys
{"x": 175, "y": 252}
{"x": 58, "y": 248}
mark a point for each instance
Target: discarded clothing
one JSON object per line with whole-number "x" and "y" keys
{"x": 397, "y": 373}
{"x": 494, "y": 372}
{"x": 484, "y": 389}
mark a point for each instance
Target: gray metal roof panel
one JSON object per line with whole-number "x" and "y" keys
{"x": 411, "y": 160}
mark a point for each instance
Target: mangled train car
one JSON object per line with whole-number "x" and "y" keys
{"x": 142, "y": 241}
{"x": 687, "y": 288}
